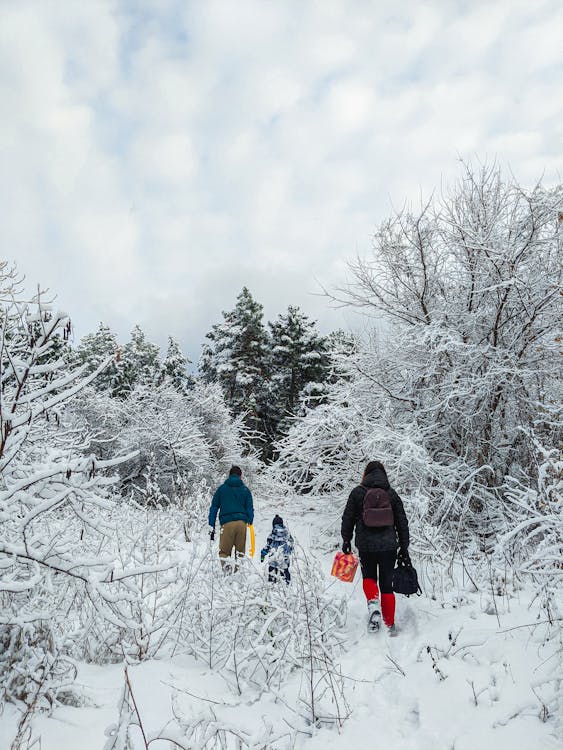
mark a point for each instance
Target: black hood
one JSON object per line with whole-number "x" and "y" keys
{"x": 376, "y": 478}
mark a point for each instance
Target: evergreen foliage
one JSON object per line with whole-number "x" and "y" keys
{"x": 95, "y": 348}
{"x": 174, "y": 368}
{"x": 237, "y": 358}
{"x": 140, "y": 363}
{"x": 265, "y": 375}
{"x": 299, "y": 368}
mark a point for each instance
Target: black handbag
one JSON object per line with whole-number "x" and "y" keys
{"x": 405, "y": 579}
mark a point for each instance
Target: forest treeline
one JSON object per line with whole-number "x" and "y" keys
{"x": 266, "y": 372}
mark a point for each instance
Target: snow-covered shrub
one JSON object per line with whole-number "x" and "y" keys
{"x": 261, "y": 638}
{"x": 227, "y": 436}
{"x": 181, "y": 437}
{"x": 325, "y": 451}
{"x": 159, "y": 424}
{"x": 192, "y": 506}
{"x": 53, "y": 498}
{"x": 34, "y": 671}
{"x": 98, "y": 418}
{"x": 533, "y": 539}
{"x": 131, "y": 615}
{"x": 277, "y": 629}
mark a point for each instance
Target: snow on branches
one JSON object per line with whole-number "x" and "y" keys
{"x": 53, "y": 498}
{"x": 43, "y": 473}
{"x": 462, "y": 366}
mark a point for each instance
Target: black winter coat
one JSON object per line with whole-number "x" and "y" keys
{"x": 385, "y": 538}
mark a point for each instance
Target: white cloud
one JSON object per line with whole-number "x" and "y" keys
{"x": 155, "y": 157}
{"x": 165, "y": 158}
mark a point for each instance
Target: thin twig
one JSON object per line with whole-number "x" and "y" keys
{"x": 136, "y": 709}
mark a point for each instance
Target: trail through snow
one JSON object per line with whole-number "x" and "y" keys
{"x": 453, "y": 679}
{"x": 399, "y": 699}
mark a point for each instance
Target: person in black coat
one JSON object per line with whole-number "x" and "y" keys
{"x": 377, "y": 546}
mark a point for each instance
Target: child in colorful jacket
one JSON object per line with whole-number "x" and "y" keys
{"x": 278, "y": 549}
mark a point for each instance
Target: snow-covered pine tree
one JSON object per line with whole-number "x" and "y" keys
{"x": 237, "y": 358}
{"x": 140, "y": 363}
{"x": 299, "y": 368}
{"x": 95, "y": 348}
{"x": 174, "y": 367}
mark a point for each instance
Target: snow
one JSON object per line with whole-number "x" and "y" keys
{"x": 453, "y": 678}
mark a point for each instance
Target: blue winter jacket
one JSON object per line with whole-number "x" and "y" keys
{"x": 233, "y": 501}
{"x": 278, "y": 549}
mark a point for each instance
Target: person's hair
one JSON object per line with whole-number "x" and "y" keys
{"x": 372, "y": 466}
{"x": 235, "y": 470}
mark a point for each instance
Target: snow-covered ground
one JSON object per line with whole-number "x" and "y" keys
{"x": 462, "y": 674}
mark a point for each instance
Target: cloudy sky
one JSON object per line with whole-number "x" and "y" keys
{"x": 157, "y": 156}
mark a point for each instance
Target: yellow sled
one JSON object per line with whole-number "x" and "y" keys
{"x": 252, "y": 549}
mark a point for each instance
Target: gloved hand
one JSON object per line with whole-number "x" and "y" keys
{"x": 212, "y": 533}
{"x": 403, "y": 555}
{"x": 346, "y": 548}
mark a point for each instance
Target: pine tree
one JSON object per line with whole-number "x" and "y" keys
{"x": 236, "y": 358}
{"x": 299, "y": 366}
{"x": 93, "y": 349}
{"x": 174, "y": 367}
{"x": 140, "y": 363}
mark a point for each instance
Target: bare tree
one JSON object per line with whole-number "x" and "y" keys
{"x": 470, "y": 286}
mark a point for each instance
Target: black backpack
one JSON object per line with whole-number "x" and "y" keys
{"x": 377, "y": 510}
{"x": 405, "y": 579}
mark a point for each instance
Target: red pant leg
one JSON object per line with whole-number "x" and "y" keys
{"x": 388, "y": 608}
{"x": 370, "y": 589}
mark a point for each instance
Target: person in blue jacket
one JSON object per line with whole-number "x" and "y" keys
{"x": 233, "y": 502}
